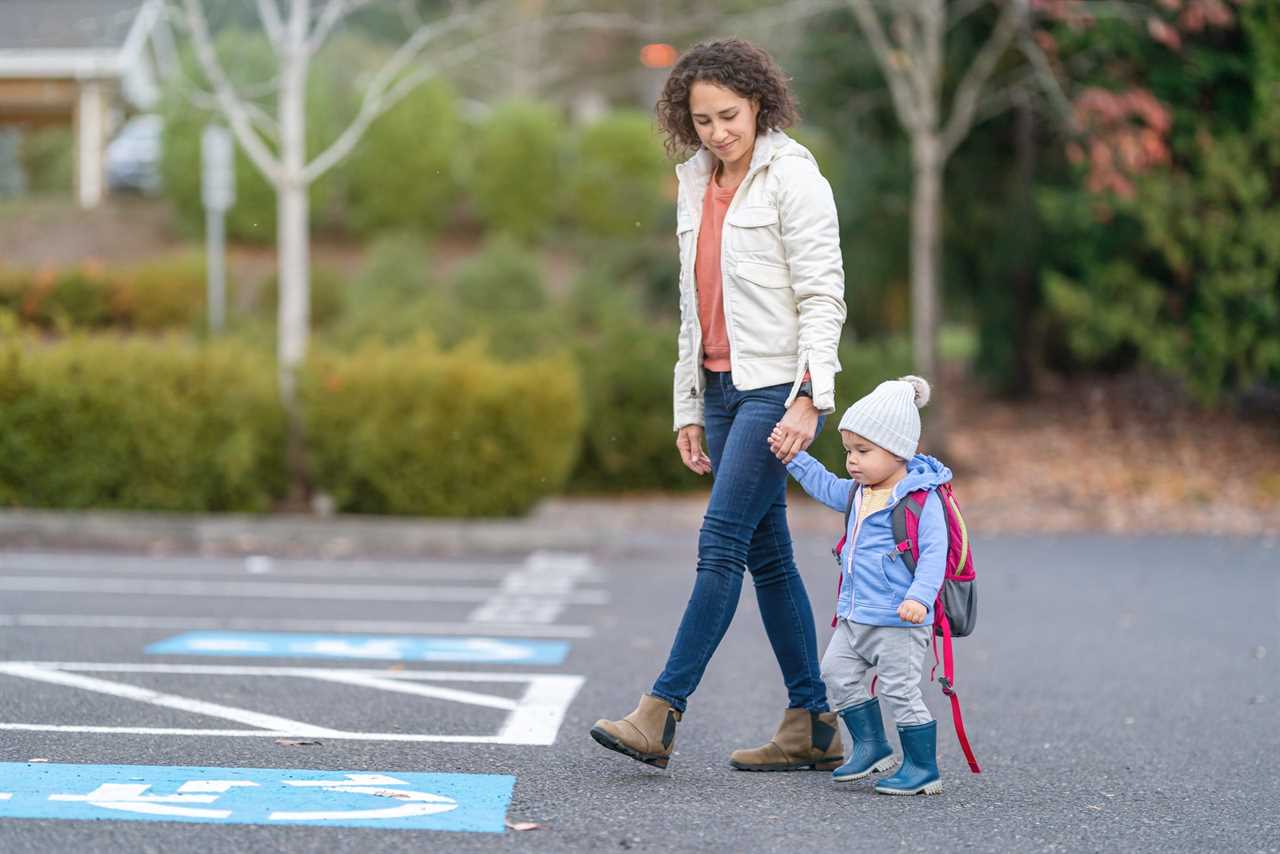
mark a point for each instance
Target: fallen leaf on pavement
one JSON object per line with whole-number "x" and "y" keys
{"x": 523, "y": 825}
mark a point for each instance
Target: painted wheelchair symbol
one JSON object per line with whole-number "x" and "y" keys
{"x": 133, "y": 797}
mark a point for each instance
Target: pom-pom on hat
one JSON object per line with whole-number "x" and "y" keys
{"x": 890, "y": 416}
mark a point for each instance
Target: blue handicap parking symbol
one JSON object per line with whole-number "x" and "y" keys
{"x": 392, "y": 647}
{"x": 392, "y": 799}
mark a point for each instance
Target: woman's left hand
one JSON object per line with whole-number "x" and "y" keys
{"x": 796, "y": 431}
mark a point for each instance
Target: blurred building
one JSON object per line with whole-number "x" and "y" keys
{"x": 85, "y": 63}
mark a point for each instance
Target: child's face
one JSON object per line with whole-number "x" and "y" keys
{"x": 867, "y": 462}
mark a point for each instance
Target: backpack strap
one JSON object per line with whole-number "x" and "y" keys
{"x": 906, "y": 531}
{"x": 848, "y": 514}
{"x": 948, "y": 687}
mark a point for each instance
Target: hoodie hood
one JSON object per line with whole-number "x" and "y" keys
{"x": 770, "y": 145}
{"x": 923, "y": 472}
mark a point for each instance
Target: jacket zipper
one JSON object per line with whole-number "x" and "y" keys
{"x": 733, "y": 205}
{"x": 853, "y": 545}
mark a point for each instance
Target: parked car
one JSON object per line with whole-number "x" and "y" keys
{"x": 133, "y": 156}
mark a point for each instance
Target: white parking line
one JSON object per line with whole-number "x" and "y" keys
{"x": 390, "y": 627}
{"x": 272, "y": 590}
{"x": 537, "y": 592}
{"x": 533, "y": 719}
{"x": 434, "y": 570}
{"x": 156, "y": 698}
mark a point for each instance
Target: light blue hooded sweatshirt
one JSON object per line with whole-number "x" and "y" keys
{"x": 876, "y": 580}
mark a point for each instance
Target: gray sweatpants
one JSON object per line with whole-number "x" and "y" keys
{"x": 896, "y": 653}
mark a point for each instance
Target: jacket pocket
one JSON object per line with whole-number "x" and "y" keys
{"x": 755, "y": 229}
{"x": 764, "y": 275}
{"x": 765, "y": 319}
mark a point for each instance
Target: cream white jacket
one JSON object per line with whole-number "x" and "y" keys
{"x": 782, "y": 275}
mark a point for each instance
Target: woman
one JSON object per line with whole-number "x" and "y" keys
{"x": 762, "y": 305}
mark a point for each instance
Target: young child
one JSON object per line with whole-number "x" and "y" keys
{"x": 884, "y": 612}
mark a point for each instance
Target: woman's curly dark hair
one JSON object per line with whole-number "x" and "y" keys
{"x": 734, "y": 64}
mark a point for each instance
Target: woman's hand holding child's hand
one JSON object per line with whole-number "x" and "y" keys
{"x": 911, "y": 611}
{"x": 796, "y": 431}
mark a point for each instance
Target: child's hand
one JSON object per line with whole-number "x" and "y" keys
{"x": 911, "y": 611}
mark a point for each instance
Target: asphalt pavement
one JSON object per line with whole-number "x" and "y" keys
{"x": 1122, "y": 694}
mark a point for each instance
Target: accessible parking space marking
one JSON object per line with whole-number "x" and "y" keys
{"x": 532, "y": 719}
{"x": 392, "y": 799}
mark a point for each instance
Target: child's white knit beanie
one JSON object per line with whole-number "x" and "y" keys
{"x": 889, "y": 416}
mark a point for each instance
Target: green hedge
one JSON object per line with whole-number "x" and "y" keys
{"x": 165, "y": 293}
{"x": 414, "y": 430}
{"x": 402, "y": 174}
{"x": 515, "y": 174}
{"x": 138, "y": 424}
{"x": 620, "y": 178}
{"x": 164, "y": 424}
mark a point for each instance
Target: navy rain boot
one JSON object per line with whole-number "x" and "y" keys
{"x": 871, "y": 751}
{"x": 919, "y": 771}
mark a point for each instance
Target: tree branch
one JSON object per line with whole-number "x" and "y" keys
{"x": 975, "y": 78}
{"x": 910, "y": 57}
{"x": 391, "y": 85}
{"x": 207, "y": 101}
{"x": 334, "y": 11}
{"x": 962, "y": 9}
{"x": 899, "y": 87}
{"x": 1048, "y": 81}
{"x": 269, "y": 13}
{"x": 233, "y": 108}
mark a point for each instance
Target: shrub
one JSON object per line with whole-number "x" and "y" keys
{"x": 402, "y": 174}
{"x": 393, "y": 299}
{"x": 619, "y": 177}
{"x": 13, "y": 288}
{"x": 166, "y": 293}
{"x": 138, "y": 424}
{"x": 78, "y": 297}
{"x": 48, "y": 160}
{"x": 498, "y": 294}
{"x": 626, "y": 362}
{"x": 328, "y": 299}
{"x": 414, "y": 430}
{"x": 514, "y": 176}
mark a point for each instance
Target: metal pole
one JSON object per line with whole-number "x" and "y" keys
{"x": 215, "y": 252}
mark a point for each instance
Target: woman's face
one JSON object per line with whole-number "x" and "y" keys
{"x": 725, "y": 121}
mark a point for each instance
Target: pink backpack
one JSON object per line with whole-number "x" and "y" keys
{"x": 956, "y": 608}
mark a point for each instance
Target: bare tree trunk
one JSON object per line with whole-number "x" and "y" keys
{"x": 1024, "y": 275}
{"x": 293, "y": 245}
{"x": 926, "y": 275}
{"x": 926, "y": 254}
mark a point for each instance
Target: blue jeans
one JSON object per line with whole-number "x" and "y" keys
{"x": 745, "y": 527}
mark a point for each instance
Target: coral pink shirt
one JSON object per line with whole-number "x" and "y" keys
{"x": 706, "y": 272}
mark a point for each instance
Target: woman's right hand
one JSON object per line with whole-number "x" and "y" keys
{"x": 689, "y": 441}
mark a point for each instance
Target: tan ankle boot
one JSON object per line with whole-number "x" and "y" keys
{"x": 647, "y": 734}
{"x": 804, "y": 739}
